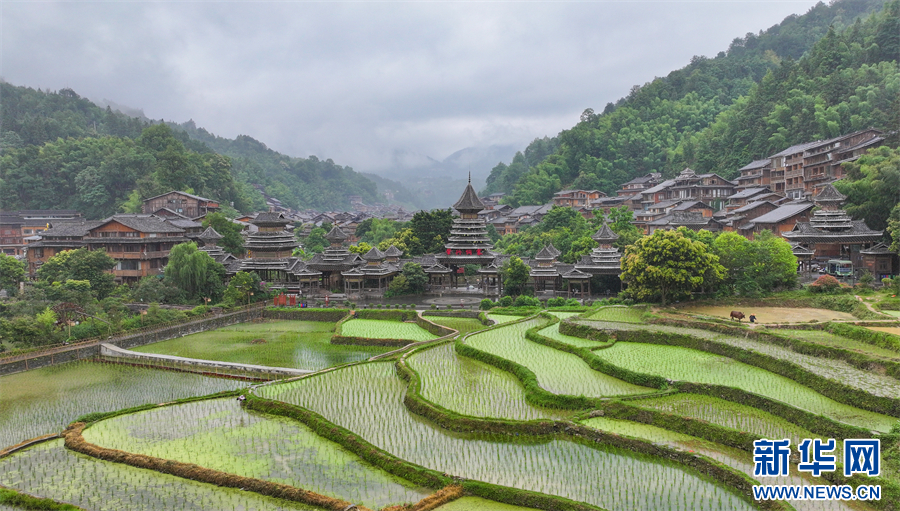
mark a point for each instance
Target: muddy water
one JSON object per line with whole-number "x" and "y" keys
{"x": 772, "y": 314}
{"x": 887, "y": 329}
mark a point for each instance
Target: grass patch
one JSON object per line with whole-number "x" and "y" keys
{"x": 381, "y": 329}
{"x": 294, "y": 344}
{"x": 619, "y": 314}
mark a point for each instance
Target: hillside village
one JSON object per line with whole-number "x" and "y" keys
{"x": 790, "y": 193}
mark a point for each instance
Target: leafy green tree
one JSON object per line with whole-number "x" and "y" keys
{"x": 81, "y": 264}
{"x": 431, "y": 228}
{"x": 668, "y": 266}
{"x": 416, "y": 277}
{"x": 152, "y": 289}
{"x": 243, "y": 288}
{"x": 403, "y": 240}
{"x": 620, "y": 222}
{"x": 195, "y": 273}
{"x": 398, "y": 286}
{"x": 872, "y": 187}
{"x": 515, "y": 274}
{"x": 231, "y": 241}
{"x": 12, "y": 271}
{"x": 360, "y": 248}
{"x": 316, "y": 243}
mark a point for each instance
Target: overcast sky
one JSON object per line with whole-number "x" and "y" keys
{"x": 354, "y": 81}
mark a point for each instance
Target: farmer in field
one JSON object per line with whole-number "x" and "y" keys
{"x": 753, "y": 318}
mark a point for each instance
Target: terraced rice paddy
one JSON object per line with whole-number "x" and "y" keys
{"x": 696, "y": 366}
{"x": 218, "y": 434}
{"x": 727, "y": 414}
{"x": 364, "y": 398}
{"x": 473, "y": 388}
{"x": 479, "y": 504}
{"x": 619, "y": 314}
{"x": 552, "y": 332}
{"x": 295, "y": 344}
{"x": 557, "y": 371}
{"x": 829, "y": 339}
{"x": 503, "y": 318}
{"x": 52, "y": 471}
{"x": 772, "y": 314}
{"x": 563, "y": 315}
{"x": 886, "y": 329}
{"x": 42, "y": 401}
{"x": 464, "y": 325}
{"x": 837, "y": 370}
{"x": 381, "y": 329}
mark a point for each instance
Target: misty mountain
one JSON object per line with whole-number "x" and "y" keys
{"x": 429, "y": 178}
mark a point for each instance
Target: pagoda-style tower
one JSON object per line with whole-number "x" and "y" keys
{"x": 210, "y": 239}
{"x": 831, "y": 233}
{"x": 270, "y": 241}
{"x": 335, "y": 259}
{"x": 543, "y": 269}
{"x": 603, "y": 260}
{"x": 468, "y": 242}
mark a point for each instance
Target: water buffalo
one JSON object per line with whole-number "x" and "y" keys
{"x": 738, "y": 315}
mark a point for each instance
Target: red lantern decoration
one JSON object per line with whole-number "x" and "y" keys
{"x": 449, "y": 251}
{"x": 468, "y": 252}
{"x": 459, "y": 252}
{"x": 479, "y": 251}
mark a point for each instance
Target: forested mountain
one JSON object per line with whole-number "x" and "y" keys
{"x": 827, "y": 72}
{"x": 60, "y": 150}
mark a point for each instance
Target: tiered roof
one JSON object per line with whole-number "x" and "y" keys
{"x": 468, "y": 242}
{"x": 603, "y": 260}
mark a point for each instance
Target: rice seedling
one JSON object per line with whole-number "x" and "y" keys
{"x": 50, "y": 470}
{"x": 697, "y": 366}
{"x": 837, "y": 370}
{"x": 473, "y": 388}
{"x": 502, "y": 318}
{"x": 43, "y": 401}
{"x": 464, "y": 325}
{"x": 479, "y": 504}
{"x": 368, "y": 400}
{"x": 727, "y": 414}
{"x": 220, "y": 435}
{"x": 296, "y": 344}
{"x": 557, "y": 371}
{"x": 552, "y": 332}
{"x": 619, "y": 314}
{"x": 829, "y": 339}
{"x": 382, "y": 329}
{"x": 562, "y": 315}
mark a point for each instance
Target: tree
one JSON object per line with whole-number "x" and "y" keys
{"x": 872, "y": 186}
{"x": 431, "y": 228}
{"x": 231, "y": 241}
{"x": 668, "y": 266}
{"x": 12, "y": 271}
{"x": 415, "y": 277}
{"x": 193, "y": 271}
{"x": 242, "y": 288}
{"x": 515, "y": 275}
{"x": 81, "y": 264}
{"x": 316, "y": 243}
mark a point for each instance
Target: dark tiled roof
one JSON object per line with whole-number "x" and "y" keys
{"x": 393, "y": 251}
{"x": 829, "y": 193}
{"x": 197, "y": 197}
{"x": 143, "y": 223}
{"x": 374, "y": 255}
{"x": 783, "y": 212}
{"x": 336, "y": 234}
{"x": 748, "y": 192}
{"x": 757, "y": 164}
{"x": 605, "y": 234}
{"x": 469, "y": 201}
{"x": 210, "y": 234}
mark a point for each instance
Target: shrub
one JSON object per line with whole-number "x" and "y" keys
{"x": 487, "y": 304}
{"x": 506, "y": 301}
{"x": 556, "y": 302}
{"x": 825, "y": 284}
{"x": 527, "y": 301}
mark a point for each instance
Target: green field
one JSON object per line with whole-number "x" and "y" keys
{"x": 50, "y": 470}
{"x": 464, "y": 325}
{"x": 218, "y": 434}
{"x": 837, "y": 370}
{"x": 697, "y": 366}
{"x": 295, "y": 344}
{"x": 557, "y": 371}
{"x": 381, "y": 329}
{"x": 829, "y": 339}
{"x": 552, "y": 332}
{"x": 368, "y": 400}
{"x": 617, "y": 313}
{"x": 503, "y": 318}
{"x": 727, "y": 414}
{"x": 479, "y": 504}
{"x": 42, "y": 401}
{"x": 473, "y": 388}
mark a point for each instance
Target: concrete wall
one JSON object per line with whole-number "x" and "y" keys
{"x": 112, "y": 353}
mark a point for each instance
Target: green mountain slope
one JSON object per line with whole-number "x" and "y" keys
{"x": 60, "y": 150}
{"x": 711, "y": 115}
